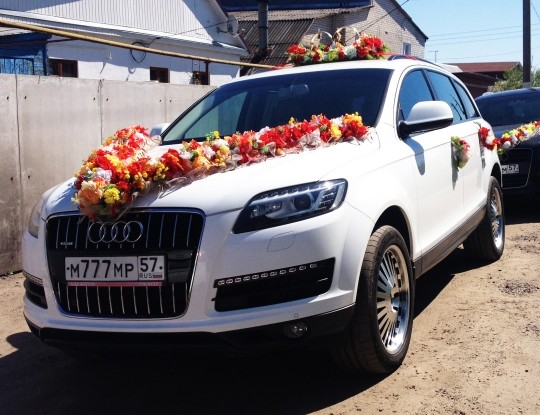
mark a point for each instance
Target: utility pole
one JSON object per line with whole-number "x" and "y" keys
{"x": 526, "y": 43}
{"x": 263, "y": 27}
{"x": 435, "y": 52}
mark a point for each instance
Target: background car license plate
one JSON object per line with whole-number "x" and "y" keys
{"x": 115, "y": 269}
{"x": 510, "y": 168}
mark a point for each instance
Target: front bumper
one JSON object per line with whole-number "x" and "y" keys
{"x": 341, "y": 235}
{"x": 522, "y": 164}
{"x": 322, "y": 331}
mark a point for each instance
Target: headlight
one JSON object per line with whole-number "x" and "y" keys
{"x": 35, "y": 218}
{"x": 290, "y": 204}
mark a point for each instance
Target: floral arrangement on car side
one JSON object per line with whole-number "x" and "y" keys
{"x": 116, "y": 173}
{"x": 510, "y": 138}
{"x": 461, "y": 151}
{"x": 363, "y": 47}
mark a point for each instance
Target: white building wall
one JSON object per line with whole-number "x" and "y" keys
{"x": 96, "y": 61}
{"x": 190, "y": 27}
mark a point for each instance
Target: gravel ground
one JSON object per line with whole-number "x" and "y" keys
{"x": 475, "y": 350}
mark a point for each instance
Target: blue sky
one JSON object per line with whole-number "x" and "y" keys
{"x": 475, "y": 30}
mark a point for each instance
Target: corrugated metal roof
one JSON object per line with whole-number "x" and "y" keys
{"x": 190, "y": 21}
{"x": 294, "y": 14}
{"x": 281, "y": 35}
{"x": 235, "y": 5}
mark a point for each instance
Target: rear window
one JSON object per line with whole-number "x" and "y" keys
{"x": 251, "y": 105}
{"x": 510, "y": 109}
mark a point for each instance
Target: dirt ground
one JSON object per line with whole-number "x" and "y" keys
{"x": 475, "y": 350}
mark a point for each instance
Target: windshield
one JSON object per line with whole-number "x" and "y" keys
{"x": 508, "y": 110}
{"x": 269, "y": 102}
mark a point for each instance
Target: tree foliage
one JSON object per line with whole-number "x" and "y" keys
{"x": 513, "y": 79}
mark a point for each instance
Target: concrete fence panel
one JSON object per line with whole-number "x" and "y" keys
{"x": 59, "y": 124}
{"x": 49, "y": 125}
{"x": 10, "y": 180}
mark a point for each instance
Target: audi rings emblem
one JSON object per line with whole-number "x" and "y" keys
{"x": 118, "y": 232}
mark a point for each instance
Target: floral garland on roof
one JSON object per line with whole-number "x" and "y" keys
{"x": 116, "y": 173}
{"x": 364, "y": 47}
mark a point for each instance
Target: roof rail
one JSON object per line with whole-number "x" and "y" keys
{"x": 416, "y": 58}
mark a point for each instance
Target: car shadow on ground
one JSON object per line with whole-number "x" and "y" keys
{"x": 45, "y": 381}
{"x": 42, "y": 380}
{"x": 522, "y": 209}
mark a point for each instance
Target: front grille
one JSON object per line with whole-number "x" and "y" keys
{"x": 521, "y": 157}
{"x": 174, "y": 235}
{"x": 274, "y": 286}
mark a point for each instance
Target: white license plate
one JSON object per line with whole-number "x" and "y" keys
{"x": 123, "y": 270}
{"x": 510, "y": 168}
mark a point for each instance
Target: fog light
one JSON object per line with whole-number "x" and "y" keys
{"x": 33, "y": 278}
{"x": 295, "y": 330}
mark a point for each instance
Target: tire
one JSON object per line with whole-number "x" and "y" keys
{"x": 379, "y": 333}
{"x": 486, "y": 243}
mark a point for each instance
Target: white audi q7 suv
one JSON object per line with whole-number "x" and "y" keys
{"x": 313, "y": 244}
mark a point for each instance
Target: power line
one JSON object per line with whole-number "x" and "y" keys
{"x": 386, "y": 14}
{"x": 491, "y": 39}
{"x": 498, "y": 29}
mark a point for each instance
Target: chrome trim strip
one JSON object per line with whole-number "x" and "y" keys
{"x": 110, "y": 301}
{"x": 87, "y": 301}
{"x": 98, "y": 300}
{"x": 134, "y": 301}
{"x": 77, "y": 298}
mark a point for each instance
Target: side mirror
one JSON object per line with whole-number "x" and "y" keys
{"x": 158, "y": 129}
{"x": 426, "y": 116}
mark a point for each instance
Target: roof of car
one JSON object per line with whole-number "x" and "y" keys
{"x": 520, "y": 91}
{"x": 398, "y": 62}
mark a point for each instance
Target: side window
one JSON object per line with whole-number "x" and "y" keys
{"x": 414, "y": 89}
{"x": 467, "y": 101}
{"x": 445, "y": 91}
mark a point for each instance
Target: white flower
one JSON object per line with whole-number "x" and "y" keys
{"x": 104, "y": 174}
{"x": 208, "y": 151}
{"x": 350, "y": 51}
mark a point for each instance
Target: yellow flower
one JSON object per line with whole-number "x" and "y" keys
{"x": 224, "y": 150}
{"x": 115, "y": 161}
{"x": 111, "y": 195}
{"x": 352, "y": 117}
{"x": 335, "y": 132}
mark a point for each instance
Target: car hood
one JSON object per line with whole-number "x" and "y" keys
{"x": 231, "y": 190}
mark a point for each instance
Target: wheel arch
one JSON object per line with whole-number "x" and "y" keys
{"x": 497, "y": 173}
{"x": 394, "y": 216}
